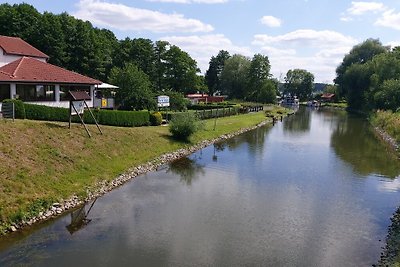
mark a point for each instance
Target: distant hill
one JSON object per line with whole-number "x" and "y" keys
{"x": 319, "y": 87}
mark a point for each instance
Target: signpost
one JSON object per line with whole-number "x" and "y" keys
{"x": 163, "y": 101}
{"x": 77, "y": 106}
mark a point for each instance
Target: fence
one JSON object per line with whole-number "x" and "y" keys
{"x": 8, "y": 110}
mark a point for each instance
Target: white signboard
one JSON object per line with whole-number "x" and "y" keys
{"x": 79, "y": 106}
{"x": 163, "y": 101}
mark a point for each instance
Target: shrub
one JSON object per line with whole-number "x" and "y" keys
{"x": 155, "y": 118}
{"x": 19, "y": 107}
{"x": 182, "y": 126}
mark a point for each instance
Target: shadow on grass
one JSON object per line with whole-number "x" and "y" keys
{"x": 174, "y": 139}
{"x": 55, "y": 125}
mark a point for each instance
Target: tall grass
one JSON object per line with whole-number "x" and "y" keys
{"x": 388, "y": 121}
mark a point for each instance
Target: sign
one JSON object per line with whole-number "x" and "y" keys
{"x": 163, "y": 101}
{"x": 79, "y": 106}
{"x": 104, "y": 102}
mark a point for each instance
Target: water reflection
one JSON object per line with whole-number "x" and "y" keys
{"x": 356, "y": 143}
{"x": 295, "y": 204}
{"x": 187, "y": 168}
{"x": 79, "y": 218}
{"x": 299, "y": 123}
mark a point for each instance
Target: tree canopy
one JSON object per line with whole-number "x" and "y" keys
{"x": 369, "y": 77}
{"x": 299, "y": 82}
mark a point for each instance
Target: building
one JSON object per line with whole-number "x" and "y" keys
{"x": 26, "y": 75}
{"x": 205, "y": 98}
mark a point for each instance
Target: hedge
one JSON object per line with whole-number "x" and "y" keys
{"x": 210, "y": 106}
{"x": 104, "y": 117}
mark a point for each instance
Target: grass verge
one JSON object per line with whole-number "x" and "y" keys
{"x": 388, "y": 122}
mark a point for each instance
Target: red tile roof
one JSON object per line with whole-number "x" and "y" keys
{"x": 28, "y": 69}
{"x": 17, "y": 46}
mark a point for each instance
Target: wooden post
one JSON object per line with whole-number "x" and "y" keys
{"x": 80, "y": 117}
{"x": 91, "y": 113}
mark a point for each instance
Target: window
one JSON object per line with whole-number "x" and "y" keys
{"x": 31, "y": 92}
{"x": 64, "y": 89}
{"x": 4, "y": 91}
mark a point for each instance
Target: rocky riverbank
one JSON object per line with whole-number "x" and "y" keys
{"x": 100, "y": 189}
{"x": 387, "y": 138}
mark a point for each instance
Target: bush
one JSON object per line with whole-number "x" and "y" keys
{"x": 19, "y": 107}
{"x": 182, "y": 126}
{"x": 155, "y": 118}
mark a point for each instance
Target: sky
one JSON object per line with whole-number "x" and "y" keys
{"x": 307, "y": 34}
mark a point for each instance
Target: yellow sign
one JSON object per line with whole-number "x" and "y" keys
{"x": 103, "y": 102}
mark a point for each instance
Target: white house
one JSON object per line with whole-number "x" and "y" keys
{"x": 25, "y": 74}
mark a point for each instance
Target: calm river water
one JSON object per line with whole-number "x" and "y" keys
{"x": 317, "y": 189}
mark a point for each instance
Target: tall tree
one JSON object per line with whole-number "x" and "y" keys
{"x": 134, "y": 88}
{"x": 234, "y": 76}
{"x": 260, "y": 87}
{"x": 299, "y": 82}
{"x": 213, "y": 74}
{"x": 180, "y": 70}
{"x": 359, "y": 54}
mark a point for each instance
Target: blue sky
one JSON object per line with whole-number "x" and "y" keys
{"x": 308, "y": 34}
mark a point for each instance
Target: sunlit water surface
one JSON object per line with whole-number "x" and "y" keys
{"x": 317, "y": 189}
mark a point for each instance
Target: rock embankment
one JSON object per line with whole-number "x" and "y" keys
{"x": 105, "y": 186}
{"x": 387, "y": 138}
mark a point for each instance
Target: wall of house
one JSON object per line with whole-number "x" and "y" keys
{"x": 5, "y": 58}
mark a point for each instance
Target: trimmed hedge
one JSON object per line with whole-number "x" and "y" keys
{"x": 124, "y": 118}
{"x": 45, "y": 113}
{"x": 104, "y": 117}
{"x": 210, "y": 106}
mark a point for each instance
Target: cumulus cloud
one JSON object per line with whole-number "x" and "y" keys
{"x": 361, "y": 8}
{"x": 271, "y": 21}
{"x": 124, "y": 17}
{"x": 305, "y": 37}
{"x": 389, "y": 19}
{"x": 190, "y": 1}
{"x": 201, "y": 48}
{"x": 320, "y": 53}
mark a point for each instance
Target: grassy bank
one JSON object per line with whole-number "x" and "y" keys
{"x": 388, "y": 122}
{"x": 45, "y": 162}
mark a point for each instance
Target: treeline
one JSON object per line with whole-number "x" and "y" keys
{"x": 78, "y": 46}
{"x": 369, "y": 77}
{"x": 250, "y": 79}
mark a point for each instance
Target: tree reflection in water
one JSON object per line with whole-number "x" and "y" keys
{"x": 298, "y": 123}
{"x": 188, "y": 169}
{"x": 355, "y": 142}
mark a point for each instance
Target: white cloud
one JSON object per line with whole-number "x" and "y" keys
{"x": 123, "y": 17}
{"x": 201, "y": 48}
{"x": 389, "y": 19}
{"x": 190, "y": 1}
{"x": 305, "y": 37}
{"x": 319, "y": 52}
{"x": 271, "y": 21}
{"x": 360, "y": 8}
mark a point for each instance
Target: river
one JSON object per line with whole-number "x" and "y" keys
{"x": 317, "y": 189}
